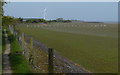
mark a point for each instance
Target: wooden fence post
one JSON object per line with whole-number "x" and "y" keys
{"x": 31, "y": 52}
{"x": 16, "y": 35}
{"x": 50, "y": 60}
{"x": 31, "y": 44}
{"x": 14, "y": 32}
{"x": 22, "y": 41}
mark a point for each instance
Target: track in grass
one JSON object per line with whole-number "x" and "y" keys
{"x": 92, "y": 45}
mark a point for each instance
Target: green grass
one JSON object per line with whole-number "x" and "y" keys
{"x": 18, "y": 62}
{"x": 92, "y": 50}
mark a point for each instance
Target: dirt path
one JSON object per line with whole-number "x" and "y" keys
{"x": 6, "y": 63}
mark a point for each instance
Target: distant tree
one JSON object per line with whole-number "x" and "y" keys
{"x": 67, "y": 21}
{"x": 42, "y": 20}
{"x": 28, "y": 21}
{"x": 36, "y": 21}
{"x": 52, "y": 21}
{"x": 59, "y": 19}
{"x": 8, "y": 20}
{"x": 20, "y": 19}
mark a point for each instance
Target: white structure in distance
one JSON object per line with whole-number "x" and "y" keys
{"x": 44, "y": 13}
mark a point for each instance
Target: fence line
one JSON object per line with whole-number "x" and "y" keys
{"x": 43, "y": 59}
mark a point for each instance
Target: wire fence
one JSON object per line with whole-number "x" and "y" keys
{"x": 43, "y": 59}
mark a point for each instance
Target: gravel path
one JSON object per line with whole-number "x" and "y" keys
{"x": 6, "y": 63}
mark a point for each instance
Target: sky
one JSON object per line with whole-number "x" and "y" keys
{"x": 86, "y": 11}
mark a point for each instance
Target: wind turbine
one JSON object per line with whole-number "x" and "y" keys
{"x": 44, "y": 13}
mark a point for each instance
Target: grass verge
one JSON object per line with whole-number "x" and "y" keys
{"x": 18, "y": 63}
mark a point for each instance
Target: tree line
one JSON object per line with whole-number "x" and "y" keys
{"x": 6, "y": 20}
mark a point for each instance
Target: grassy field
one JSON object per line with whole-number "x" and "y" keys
{"x": 91, "y": 45}
{"x": 19, "y": 64}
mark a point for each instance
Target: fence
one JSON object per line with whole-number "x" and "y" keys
{"x": 43, "y": 59}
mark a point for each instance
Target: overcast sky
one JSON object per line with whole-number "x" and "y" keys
{"x": 87, "y": 11}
